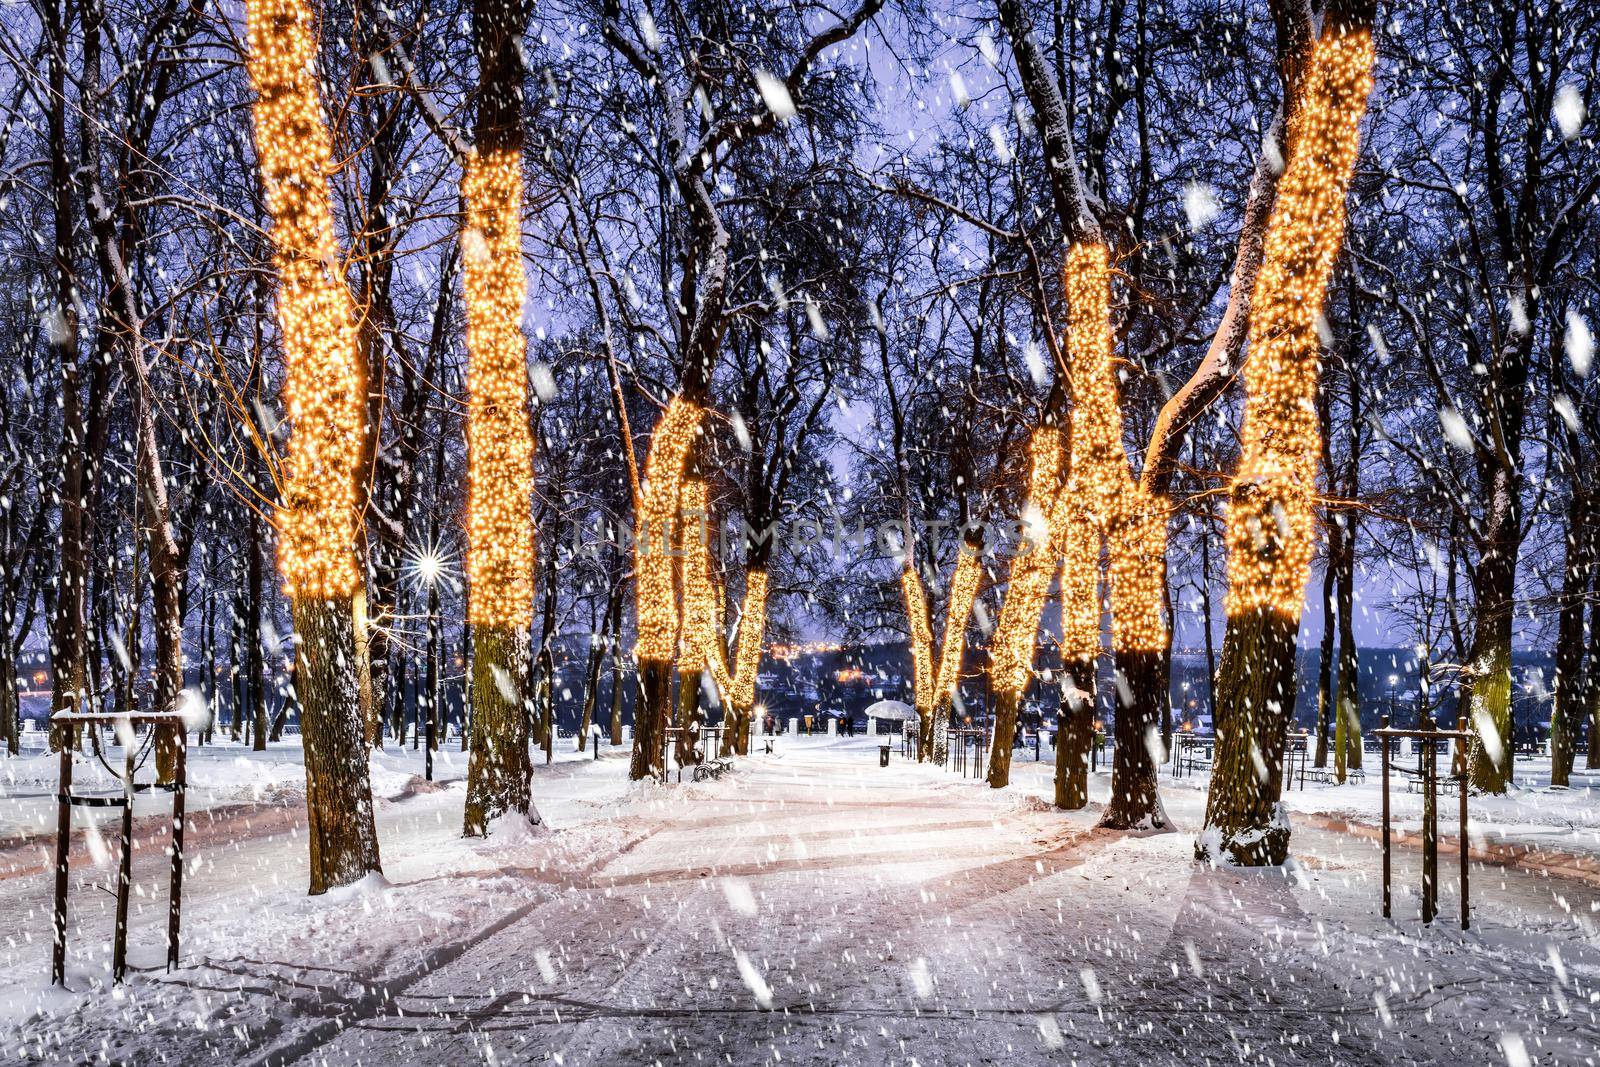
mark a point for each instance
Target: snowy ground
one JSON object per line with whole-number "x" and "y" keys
{"x": 813, "y": 908}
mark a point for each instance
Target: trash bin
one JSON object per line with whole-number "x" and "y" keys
{"x": 883, "y": 755}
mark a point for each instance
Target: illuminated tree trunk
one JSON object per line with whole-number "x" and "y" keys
{"x": 655, "y": 593}
{"x": 1270, "y": 522}
{"x": 933, "y": 683}
{"x": 1012, "y": 649}
{"x": 500, "y": 540}
{"x": 326, "y": 411}
{"x": 1139, "y": 642}
{"x": 704, "y": 642}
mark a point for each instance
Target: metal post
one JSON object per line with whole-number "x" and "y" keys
{"x": 180, "y": 785}
{"x": 1383, "y": 743}
{"x": 436, "y": 668}
{"x": 58, "y": 924}
{"x": 427, "y": 748}
{"x": 1461, "y": 780}
{"x": 1430, "y": 829}
{"x": 119, "y": 939}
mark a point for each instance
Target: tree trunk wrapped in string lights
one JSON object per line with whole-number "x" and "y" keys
{"x": 933, "y": 684}
{"x": 654, "y": 572}
{"x": 1269, "y": 531}
{"x": 323, "y": 399}
{"x": 500, "y": 542}
{"x": 1115, "y": 511}
{"x": 702, "y": 645}
{"x": 1033, "y": 568}
{"x": 1080, "y": 651}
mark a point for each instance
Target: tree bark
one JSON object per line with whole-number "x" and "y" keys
{"x": 1245, "y": 824}
{"x": 255, "y": 671}
{"x": 1489, "y": 664}
{"x": 1075, "y": 736}
{"x": 1592, "y": 761}
{"x": 500, "y": 784}
{"x": 1006, "y": 704}
{"x": 649, "y": 720}
{"x": 68, "y": 637}
{"x": 591, "y": 673}
{"x": 1330, "y": 633}
{"x": 618, "y": 669}
{"x": 690, "y": 715}
{"x": 1135, "y": 803}
{"x": 1568, "y": 710}
{"x": 343, "y": 836}
{"x": 1347, "y": 741}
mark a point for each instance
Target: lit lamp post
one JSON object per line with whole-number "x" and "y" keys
{"x": 429, "y": 568}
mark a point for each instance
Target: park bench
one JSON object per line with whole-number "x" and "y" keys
{"x": 1448, "y": 783}
{"x": 1327, "y": 775}
{"x": 714, "y": 767}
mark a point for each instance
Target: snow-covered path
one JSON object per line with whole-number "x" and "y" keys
{"x": 815, "y": 908}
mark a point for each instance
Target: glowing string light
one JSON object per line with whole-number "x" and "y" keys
{"x": 1270, "y": 543}
{"x": 922, "y": 681}
{"x": 500, "y": 542}
{"x": 703, "y": 609}
{"x": 1032, "y": 568}
{"x": 653, "y": 561}
{"x": 322, "y": 380}
{"x": 1131, "y": 521}
{"x": 1080, "y": 588}
{"x": 931, "y": 687}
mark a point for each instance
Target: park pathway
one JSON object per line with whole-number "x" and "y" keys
{"x": 814, "y": 909}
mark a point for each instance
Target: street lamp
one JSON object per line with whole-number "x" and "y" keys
{"x": 429, "y": 567}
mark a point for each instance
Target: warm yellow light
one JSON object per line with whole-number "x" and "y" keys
{"x": 922, "y": 680}
{"x": 500, "y": 542}
{"x": 1016, "y": 633}
{"x": 701, "y": 646}
{"x": 653, "y": 555}
{"x": 1270, "y": 542}
{"x": 931, "y": 687}
{"x": 1080, "y": 587}
{"x": 963, "y": 591}
{"x": 752, "y": 631}
{"x": 322, "y": 380}
{"x": 1132, "y": 522}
